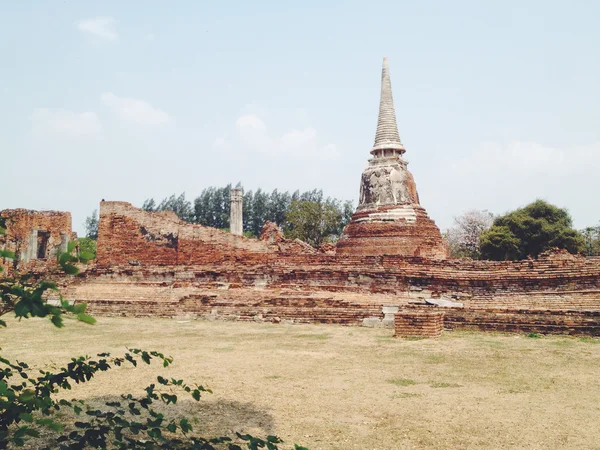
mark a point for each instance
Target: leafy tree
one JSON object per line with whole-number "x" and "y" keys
{"x": 211, "y": 208}
{"x": 91, "y": 225}
{"x": 312, "y": 222}
{"x": 464, "y": 236}
{"x": 592, "y": 240}
{"x": 529, "y": 231}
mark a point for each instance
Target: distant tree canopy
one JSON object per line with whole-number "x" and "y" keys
{"x": 91, "y": 225}
{"x": 591, "y": 236}
{"x": 464, "y": 237}
{"x": 529, "y": 231}
{"x": 308, "y": 215}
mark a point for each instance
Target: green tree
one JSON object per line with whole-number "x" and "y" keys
{"x": 529, "y": 231}
{"x": 592, "y": 240}
{"x": 91, "y": 225}
{"x": 313, "y": 222}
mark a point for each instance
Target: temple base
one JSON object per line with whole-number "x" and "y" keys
{"x": 393, "y": 230}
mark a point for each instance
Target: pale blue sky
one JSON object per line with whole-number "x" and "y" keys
{"x": 497, "y": 102}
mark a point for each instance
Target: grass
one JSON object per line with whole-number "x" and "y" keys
{"x": 402, "y": 381}
{"x": 333, "y": 387}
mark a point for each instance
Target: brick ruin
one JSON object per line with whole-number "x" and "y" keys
{"x": 390, "y": 219}
{"x": 35, "y": 237}
{"x": 391, "y": 261}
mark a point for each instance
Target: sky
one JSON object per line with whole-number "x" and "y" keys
{"x": 497, "y": 103}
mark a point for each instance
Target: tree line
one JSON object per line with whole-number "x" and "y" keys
{"x": 308, "y": 215}
{"x": 518, "y": 234}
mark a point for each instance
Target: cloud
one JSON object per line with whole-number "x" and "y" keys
{"x": 133, "y": 110}
{"x": 64, "y": 122}
{"x": 254, "y": 134}
{"x": 219, "y": 142}
{"x": 100, "y": 27}
{"x": 502, "y": 177}
{"x": 529, "y": 160}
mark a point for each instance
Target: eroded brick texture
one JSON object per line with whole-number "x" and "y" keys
{"x": 419, "y": 322}
{"x": 35, "y": 237}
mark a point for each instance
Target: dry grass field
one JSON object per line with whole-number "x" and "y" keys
{"x": 333, "y": 387}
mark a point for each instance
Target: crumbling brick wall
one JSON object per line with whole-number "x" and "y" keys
{"x": 35, "y": 237}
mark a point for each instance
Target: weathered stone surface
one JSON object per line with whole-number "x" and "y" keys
{"x": 35, "y": 237}
{"x": 419, "y": 322}
{"x": 389, "y": 219}
{"x": 236, "y": 212}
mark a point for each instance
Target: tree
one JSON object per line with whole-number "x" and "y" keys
{"x": 91, "y": 225}
{"x": 464, "y": 236}
{"x": 312, "y": 222}
{"x": 592, "y": 240}
{"x": 529, "y": 231}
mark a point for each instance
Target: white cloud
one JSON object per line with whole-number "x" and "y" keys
{"x": 254, "y": 133}
{"x": 133, "y": 110}
{"x": 219, "y": 142}
{"x": 100, "y": 27}
{"x": 504, "y": 177}
{"x": 64, "y": 122}
{"x": 530, "y": 160}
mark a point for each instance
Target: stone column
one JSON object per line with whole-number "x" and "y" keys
{"x": 235, "y": 213}
{"x": 64, "y": 243}
{"x": 32, "y": 248}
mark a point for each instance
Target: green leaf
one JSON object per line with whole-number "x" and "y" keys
{"x": 7, "y": 254}
{"x": 57, "y": 321}
{"x": 71, "y": 246}
{"x": 26, "y": 417}
{"x": 70, "y": 269}
{"x": 86, "y": 318}
{"x": 79, "y": 308}
{"x": 2, "y": 323}
{"x": 50, "y": 424}
{"x": 64, "y": 258}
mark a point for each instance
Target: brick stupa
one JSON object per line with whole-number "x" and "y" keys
{"x": 389, "y": 219}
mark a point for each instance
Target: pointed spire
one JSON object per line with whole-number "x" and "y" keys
{"x": 387, "y": 136}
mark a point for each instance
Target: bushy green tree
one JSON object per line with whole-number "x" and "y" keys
{"x": 313, "y": 222}
{"x": 529, "y": 231}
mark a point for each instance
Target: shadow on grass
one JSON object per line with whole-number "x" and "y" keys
{"x": 209, "y": 418}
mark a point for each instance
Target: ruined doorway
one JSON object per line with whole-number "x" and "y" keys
{"x": 42, "y": 246}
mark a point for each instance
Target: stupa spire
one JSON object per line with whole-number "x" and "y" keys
{"x": 387, "y": 137}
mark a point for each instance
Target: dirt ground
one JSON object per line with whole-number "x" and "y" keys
{"x": 334, "y": 387}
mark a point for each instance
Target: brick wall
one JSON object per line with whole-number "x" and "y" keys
{"x": 20, "y": 223}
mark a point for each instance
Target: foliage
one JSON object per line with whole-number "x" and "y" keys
{"x": 87, "y": 246}
{"x": 591, "y": 236}
{"x": 464, "y": 237}
{"x": 311, "y": 221}
{"x": 211, "y": 208}
{"x": 529, "y": 231}
{"x": 91, "y": 225}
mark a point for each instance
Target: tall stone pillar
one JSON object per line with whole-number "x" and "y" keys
{"x": 32, "y": 249}
{"x": 235, "y": 213}
{"x": 64, "y": 242}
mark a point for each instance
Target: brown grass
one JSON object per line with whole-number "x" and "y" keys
{"x": 332, "y": 387}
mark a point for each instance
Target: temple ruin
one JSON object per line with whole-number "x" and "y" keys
{"x": 389, "y": 219}
{"x": 391, "y": 262}
{"x": 35, "y": 237}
